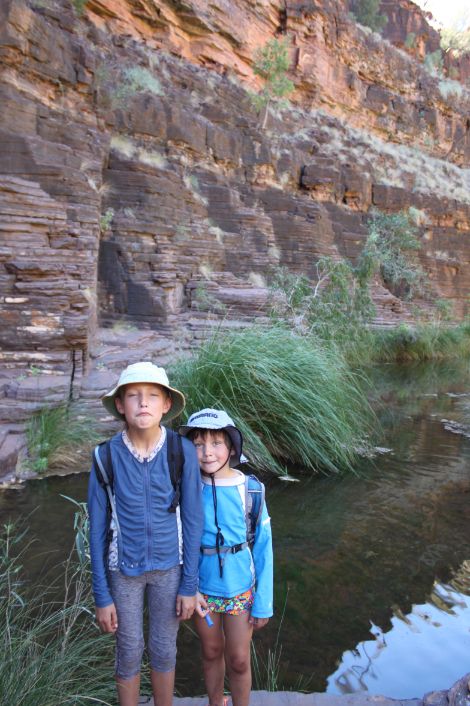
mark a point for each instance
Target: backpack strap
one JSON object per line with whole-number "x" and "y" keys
{"x": 105, "y": 475}
{"x": 105, "y": 471}
{"x": 254, "y": 501}
{"x": 175, "y": 456}
{"x": 224, "y": 549}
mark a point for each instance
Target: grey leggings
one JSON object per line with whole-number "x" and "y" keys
{"x": 128, "y": 595}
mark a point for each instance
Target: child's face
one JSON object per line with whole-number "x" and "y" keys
{"x": 213, "y": 451}
{"x": 143, "y": 405}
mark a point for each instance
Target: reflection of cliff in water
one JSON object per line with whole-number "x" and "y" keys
{"x": 408, "y": 654}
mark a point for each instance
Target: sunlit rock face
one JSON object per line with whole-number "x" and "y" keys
{"x": 138, "y": 185}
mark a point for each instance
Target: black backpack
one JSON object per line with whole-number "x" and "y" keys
{"x": 175, "y": 455}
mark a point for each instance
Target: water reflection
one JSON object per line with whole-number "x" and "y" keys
{"x": 411, "y": 652}
{"x": 351, "y": 548}
{"x": 40, "y": 506}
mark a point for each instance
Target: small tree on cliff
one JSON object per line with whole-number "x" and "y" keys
{"x": 392, "y": 246}
{"x": 367, "y": 13}
{"x": 336, "y": 303}
{"x": 271, "y": 62}
{"x": 458, "y": 42}
{"x": 456, "y": 38}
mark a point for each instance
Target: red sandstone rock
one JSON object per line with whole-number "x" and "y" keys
{"x": 119, "y": 204}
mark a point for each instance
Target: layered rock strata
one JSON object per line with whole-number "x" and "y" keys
{"x": 138, "y": 187}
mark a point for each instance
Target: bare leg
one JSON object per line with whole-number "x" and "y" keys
{"x": 128, "y": 690}
{"x": 163, "y": 684}
{"x": 212, "y": 647}
{"x": 238, "y": 632}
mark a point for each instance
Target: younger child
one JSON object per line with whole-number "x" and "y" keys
{"x": 235, "y": 575}
{"x": 142, "y": 539}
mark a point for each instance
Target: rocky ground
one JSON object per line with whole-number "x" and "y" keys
{"x": 290, "y": 698}
{"x": 458, "y": 695}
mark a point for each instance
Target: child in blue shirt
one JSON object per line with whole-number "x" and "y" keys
{"x": 235, "y": 576}
{"x": 143, "y": 543}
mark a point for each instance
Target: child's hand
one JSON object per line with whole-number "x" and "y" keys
{"x": 201, "y": 605}
{"x": 185, "y": 606}
{"x": 258, "y": 623}
{"x": 107, "y": 618}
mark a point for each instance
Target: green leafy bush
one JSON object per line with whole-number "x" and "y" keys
{"x": 367, "y": 13}
{"x": 139, "y": 79}
{"x": 336, "y": 303}
{"x": 106, "y": 219}
{"x": 118, "y": 84}
{"x": 79, "y": 6}
{"x": 333, "y": 307}
{"x": 336, "y": 307}
{"x": 434, "y": 62}
{"x": 392, "y": 244}
{"x": 449, "y": 87}
{"x": 454, "y": 40}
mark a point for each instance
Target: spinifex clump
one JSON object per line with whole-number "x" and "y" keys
{"x": 296, "y": 402}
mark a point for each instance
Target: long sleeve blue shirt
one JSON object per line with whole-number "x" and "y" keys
{"x": 149, "y": 536}
{"x": 245, "y": 569}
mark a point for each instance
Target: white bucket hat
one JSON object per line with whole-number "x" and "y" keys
{"x": 145, "y": 372}
{"x": 218, "y": 420}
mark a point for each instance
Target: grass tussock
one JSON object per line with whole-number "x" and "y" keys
{"x": 296, "y": 402}
{"x": 423, "y": 342}
{"x": 50, "y": 654}
{"x": 59, "y": 438}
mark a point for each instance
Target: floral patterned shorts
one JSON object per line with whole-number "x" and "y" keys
{"x": 233, "y": 606}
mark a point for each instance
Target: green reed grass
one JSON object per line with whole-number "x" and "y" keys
{"x": 59, "y": 437}
{"x": 265, "y": 666}
{"x": 295, "y": 401}
{"x": 423, "y": 342}
{"x": 51, "y": 653}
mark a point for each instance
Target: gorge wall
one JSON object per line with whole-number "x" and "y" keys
{"x": 138, "y": 187}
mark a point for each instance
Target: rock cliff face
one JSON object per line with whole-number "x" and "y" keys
{"x": 137, "y": 185}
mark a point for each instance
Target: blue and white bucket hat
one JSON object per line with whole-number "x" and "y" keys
{"x": 217, "y": 420}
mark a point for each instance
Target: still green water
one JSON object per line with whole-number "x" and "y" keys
{"x": 370, "y": 569}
